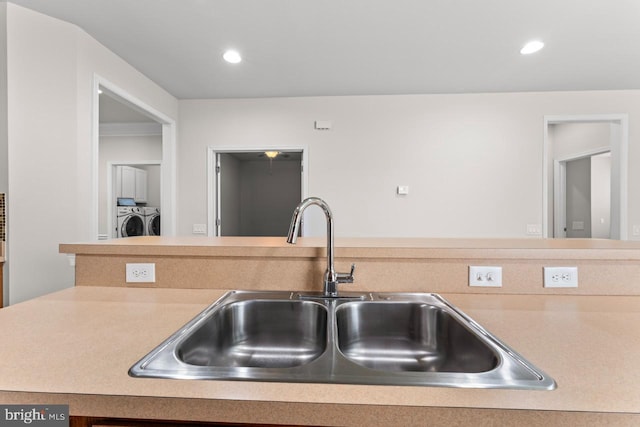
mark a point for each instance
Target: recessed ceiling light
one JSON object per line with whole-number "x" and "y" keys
{"x": 532, "y": 47}
{"x": 232, "y": 56}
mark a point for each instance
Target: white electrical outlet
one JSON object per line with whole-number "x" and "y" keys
{"x": 485, "y": 276}
{"x": 560, "y": 277}
{"x": 141, "y": 273}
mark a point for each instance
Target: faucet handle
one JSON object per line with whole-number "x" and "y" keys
{"x": 346, "y": 277}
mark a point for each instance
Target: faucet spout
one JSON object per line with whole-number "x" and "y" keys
{"x": 331, "y": 278}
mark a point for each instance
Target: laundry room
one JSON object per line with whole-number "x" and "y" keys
{"x": 130, "y": 159}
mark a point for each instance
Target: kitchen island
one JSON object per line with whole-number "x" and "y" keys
{"x": 75, "y": 347}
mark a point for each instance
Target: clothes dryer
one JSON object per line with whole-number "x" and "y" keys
{"x": 152, "y": 221}
{"x": 130, "y": 221}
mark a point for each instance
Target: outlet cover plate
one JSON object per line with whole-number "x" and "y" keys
{"x": 560, "y": 277}
{"x": 141, "y": 273}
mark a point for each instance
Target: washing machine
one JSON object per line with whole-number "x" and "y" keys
{"x": 130, "y": 221}
{"x": 152, "y": 221}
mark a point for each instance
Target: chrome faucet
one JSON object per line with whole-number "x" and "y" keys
{"x": 331, "y": 278}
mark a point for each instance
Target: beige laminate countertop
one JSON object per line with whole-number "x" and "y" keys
{"x": 433, "y": 248}
{"x": 76, "y": 346}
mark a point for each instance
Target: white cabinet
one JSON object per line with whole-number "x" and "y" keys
{"x": 127, "y": 180}
{"x": 131, "y": 182}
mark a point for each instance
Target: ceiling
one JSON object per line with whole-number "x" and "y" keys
{"x": 365, "y": 47}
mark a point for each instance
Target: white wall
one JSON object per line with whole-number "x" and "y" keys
{"x": 50, "y": 67}
{"x": 473, "y": 162}
{"x": 42, "y": 151}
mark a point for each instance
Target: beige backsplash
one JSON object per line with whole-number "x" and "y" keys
{"x": 418, "y": 266}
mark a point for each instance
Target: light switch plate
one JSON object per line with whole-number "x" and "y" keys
{"x": 199, "y": 229}
{"x": 485, "y": 276}
{"x": 403, "y": 190}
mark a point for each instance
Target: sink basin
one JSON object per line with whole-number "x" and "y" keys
{"x": 364, "y": 338}
{"x": 258, "y": 333}
{"x": 410, "y": 336}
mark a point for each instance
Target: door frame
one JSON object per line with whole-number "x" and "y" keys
{"x": 167, "y": 166}
{"x": 619, "y": 147}
{"x": 213, "y": 183}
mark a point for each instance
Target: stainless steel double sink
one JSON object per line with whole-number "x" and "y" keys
{"x": 367, "y": 338}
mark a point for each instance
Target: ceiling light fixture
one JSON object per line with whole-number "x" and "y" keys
{"x": 532, "y": 47}
{"x": 271, "y": 155}
{"x": 232, "y": 56}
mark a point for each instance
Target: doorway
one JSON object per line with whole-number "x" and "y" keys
{"x": 582, "y": 208}
{"x": 580, "y": 145}
{"x": 129, "y": 133}
{"x": 255, "y": 191}
{"x": 129, "y": 141}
